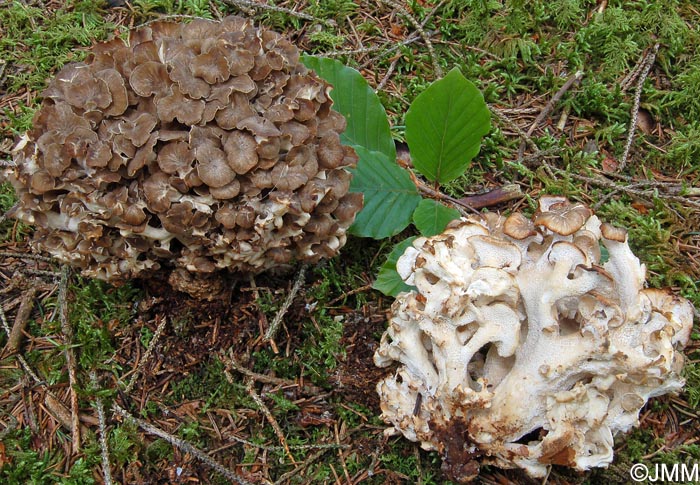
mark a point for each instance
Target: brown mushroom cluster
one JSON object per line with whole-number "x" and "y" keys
{"x": 198, "y": 147}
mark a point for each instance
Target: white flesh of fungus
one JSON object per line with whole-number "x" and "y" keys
{"x": 523, "y": 353}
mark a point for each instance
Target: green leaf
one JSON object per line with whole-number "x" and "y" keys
{"x": 367, "y": 124}
{"x": 444, "y": 127}
{"x": 388, "y": 280}
{"x": 390, "y": 196}
{"x": 431, "y": 217}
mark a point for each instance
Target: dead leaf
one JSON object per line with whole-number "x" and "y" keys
{"x": 610, "y": 164}
{"x": 645, "y": 122}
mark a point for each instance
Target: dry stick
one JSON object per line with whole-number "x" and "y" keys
{"x": 513, "y": 126}
{"x": 294, "y": 473}
{"x": 151, "y": 345}
{"x": 13, "y": 254}
{"x": 355, "y": 291}
{"x": 648, "y": 62}
{"x": 419, "y": 28}
{"x": 25, "y": 366}
{"x": 106, "y": 470}
{"x": 634, "y": 74}
{"x": 21, "y": 319}
{"x": 388, "y": 74}
{"x": 246, "y": 4}
{"x": 629, "y": 189}
{"x": 549, "y": 107}
{"x": 275, "y": 381}
{"x": 274, "y": 326}
{"x": 182, "y": 445}
{"x": 270, "y": 418}
{"x": 70, "y": 357}
{"x": 326, "y": 446}
{"x": 366, "y": 50}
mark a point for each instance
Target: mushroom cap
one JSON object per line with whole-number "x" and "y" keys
{"x": 189, "y": 147}
{"x": 560, "y": 216}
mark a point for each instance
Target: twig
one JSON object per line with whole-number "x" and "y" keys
{"x": 182, "y": 445}
{"x": 27, "y": 369}
{"x": 13, "y": 254}
{"x": 270, "y": 418}
{"x": 388, "y": 74}
{"x": 549, "y": 107}
{"x": 275, "y": 381}
{"x": 385, "y": 50}
{"x": 648, "y": 62}
{"x": 629, "y": 189}
{"x": 70, "y": 357}
{"x": 349, "y": 293}
{"x": 456, "y": 203}
{"x": 274, "y": 326}
{"x": 325, "y": 446}
{"x": 151, "y": 345}
{"x": 247, "y": 4}
{"x": 500, "y": 114}
{"x": 419, "y": 28}
{"x": 295, "y": 472}
{"x": 106, "y": 470}
{"x": 21, "y": 319}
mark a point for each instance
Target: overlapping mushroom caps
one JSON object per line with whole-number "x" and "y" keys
{"x": 522, "y": 346}
{"x": 197, "y": 146}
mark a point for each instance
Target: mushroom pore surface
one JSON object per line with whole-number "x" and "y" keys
{"x": 194, "y": 147}
{"x": 527, "y": 342}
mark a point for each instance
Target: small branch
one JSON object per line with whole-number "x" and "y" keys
{"x": 419, "y": 28}
{"x": 182, "y": 445}
{"x": 550, "y": 106}
{"x": 385, "y": 50}
{"x": 27, "y": 369}
{"x": 106, "y": 470}
{"x": 151, "y": 345}
{"x": 500, "y": 114}
{"x": 648, "y": 63}
{"x": 349, "y": 293}
{"x": 21, "y": 319}
{"x": 275, "y": 381}
{"x": 295, "y": 472}
{"x": 247, "y": 5}
{"x": 71, "y": 363}
{"x": 274, "y": 326}
{"x": 270, "y": 418}
{"x": 325, "y": 446}
{"x": 388, "y": 74}
{"x": 13, "y": 254}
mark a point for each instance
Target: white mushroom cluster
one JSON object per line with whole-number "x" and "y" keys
{"x": 527, "y": 342}
{"x": 196, "y": 147}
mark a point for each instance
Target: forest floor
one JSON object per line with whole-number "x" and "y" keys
{"x": 138, "y": 384}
